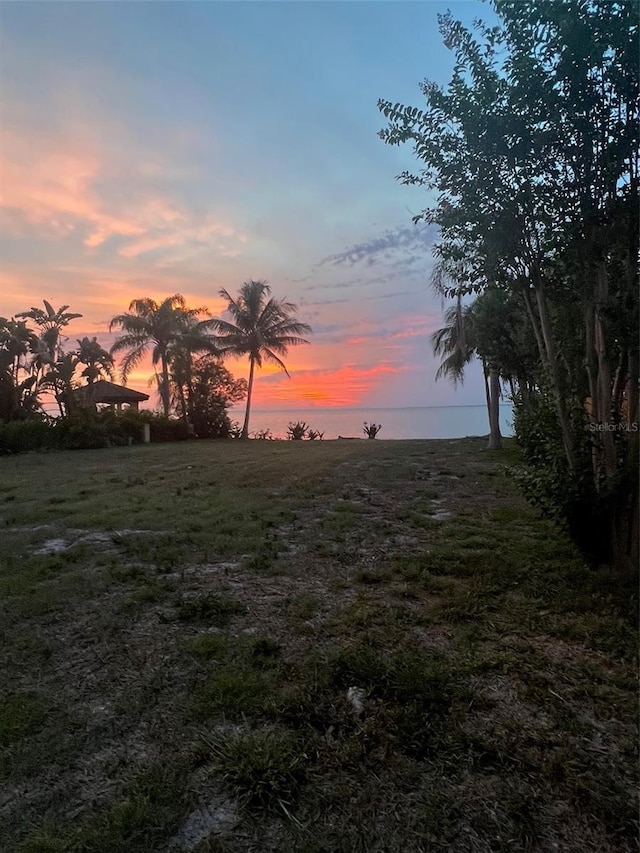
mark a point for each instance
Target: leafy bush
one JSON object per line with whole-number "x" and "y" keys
{"x": 299, "y": 430}
{"x": 205, "y": 400}
{"x": 161, "y": 427}
{"x": 87, "y": 429}
{"x": 212, "y": 420}
{"x": 84, "y": 430}
{"x": 547, "y": 482}
{"x": 263, "y": 435}
{"x": 371, "y": 430}
{"x": 24, "y": 435}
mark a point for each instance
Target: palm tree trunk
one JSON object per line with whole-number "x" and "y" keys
{"x": 60, "y": 406}
{"x": 164, "y": 385}
{"x": 495, "y": 438}
{"x": 189, "y": 384}
{"x": 183, "y": 402}
{"x": 245, "y": 426}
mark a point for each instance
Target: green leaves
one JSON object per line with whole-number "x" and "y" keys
{"x": 532, "y": 156}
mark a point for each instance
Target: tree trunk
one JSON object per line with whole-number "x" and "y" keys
{"x": 487, "y": 393}
{"x": 495, "y": 438}
{"x": 633, "y": 414}
{"x": 523, "y": 389}
{"x": 619, "y": 384}
{"x": 552, "y": 363}
{"x": 164, "y": 385}
{"x": 245, "y": 426}
{"x": 632, "y": 543}
{"x": 189, "y": 367}
{"x": 59, "y": 402}
{"x": 534, "y": 321}
{"x": 603, "y": 381}
{"x": 183, "y": 402}
{"x": 591, "y": 369}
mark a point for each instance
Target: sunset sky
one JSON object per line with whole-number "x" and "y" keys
{"x": 153, "y": 148}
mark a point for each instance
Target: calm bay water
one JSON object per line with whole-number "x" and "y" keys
{"x": 429, "y": 422}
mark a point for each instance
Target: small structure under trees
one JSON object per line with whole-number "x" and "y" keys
{"x": 110, "y": 394}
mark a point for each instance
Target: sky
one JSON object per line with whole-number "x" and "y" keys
{"x": 153, "y": 148}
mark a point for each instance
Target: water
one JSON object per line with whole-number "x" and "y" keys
{"x": 431, "y": 422}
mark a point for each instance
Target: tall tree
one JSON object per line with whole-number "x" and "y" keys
{"x": 532, "y": 155}
{"x": 493, "y": 329}
{"x": 212, "y": 391}
{"x": 263, "y": 328}
{"x": 98, "y": 362}
{"x": 60, "y": 378}
{"x": 156, "y": 327}
{"x": 50, "y": 322}
{"x": 18, "y": 382}
{"x": 194, "y": 341}
{"x": 455, "y": 343}
{"x": 48, "y": 352}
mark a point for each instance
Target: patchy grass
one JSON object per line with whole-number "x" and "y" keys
{"x": 287, "y": 646}
{"x": 20, "y": 714}
{"x": 264, "y": 768}
{"x": 213, "y": 609}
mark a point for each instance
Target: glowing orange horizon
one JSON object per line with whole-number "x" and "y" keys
{"x": 343, "y": 387}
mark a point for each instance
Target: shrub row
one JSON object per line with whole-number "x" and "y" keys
{"x": 86, "y": 429}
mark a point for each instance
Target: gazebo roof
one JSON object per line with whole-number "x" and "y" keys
{"x": 108, "y": 392}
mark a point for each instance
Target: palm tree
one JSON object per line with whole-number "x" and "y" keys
{"x": 51, "y": 322}
{"x": 97, "y": 359}
{"x": 17, "y": 396}
{"x": 60, "y": 379}
{"x": 262, "y": 328}
{"x": 454, "y": 342}
{"x": 155, "y": 325}
{"x": 48, "y": 351}
{"x": 193, "y": 340}
{"x": 458, "y": 343}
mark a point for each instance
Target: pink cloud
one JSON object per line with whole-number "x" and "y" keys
{"x": 69, "y": 181}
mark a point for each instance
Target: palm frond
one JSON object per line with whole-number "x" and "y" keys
{"x": 130, "y": 323}
{"x": 128, "y": 341}
{"x": 270, "y": 356}
{"x": 143, "y": 307}
{"x": 132, "y": 359}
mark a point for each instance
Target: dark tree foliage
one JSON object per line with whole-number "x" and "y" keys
{"x": 163, "y": 328}
{"x": 530, "y": 156}
{"x": 261, "y": 327}
{"x": 214, "y": 390}
{"x": 18, "y": 383}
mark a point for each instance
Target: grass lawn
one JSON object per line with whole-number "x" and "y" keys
{"x": 320, "y": 647}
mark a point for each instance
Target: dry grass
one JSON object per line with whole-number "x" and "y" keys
{"x": 324, "y": 646}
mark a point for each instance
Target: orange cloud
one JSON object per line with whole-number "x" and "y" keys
{"x": 342, "y": 387}
{"x": 100, "y": 293}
